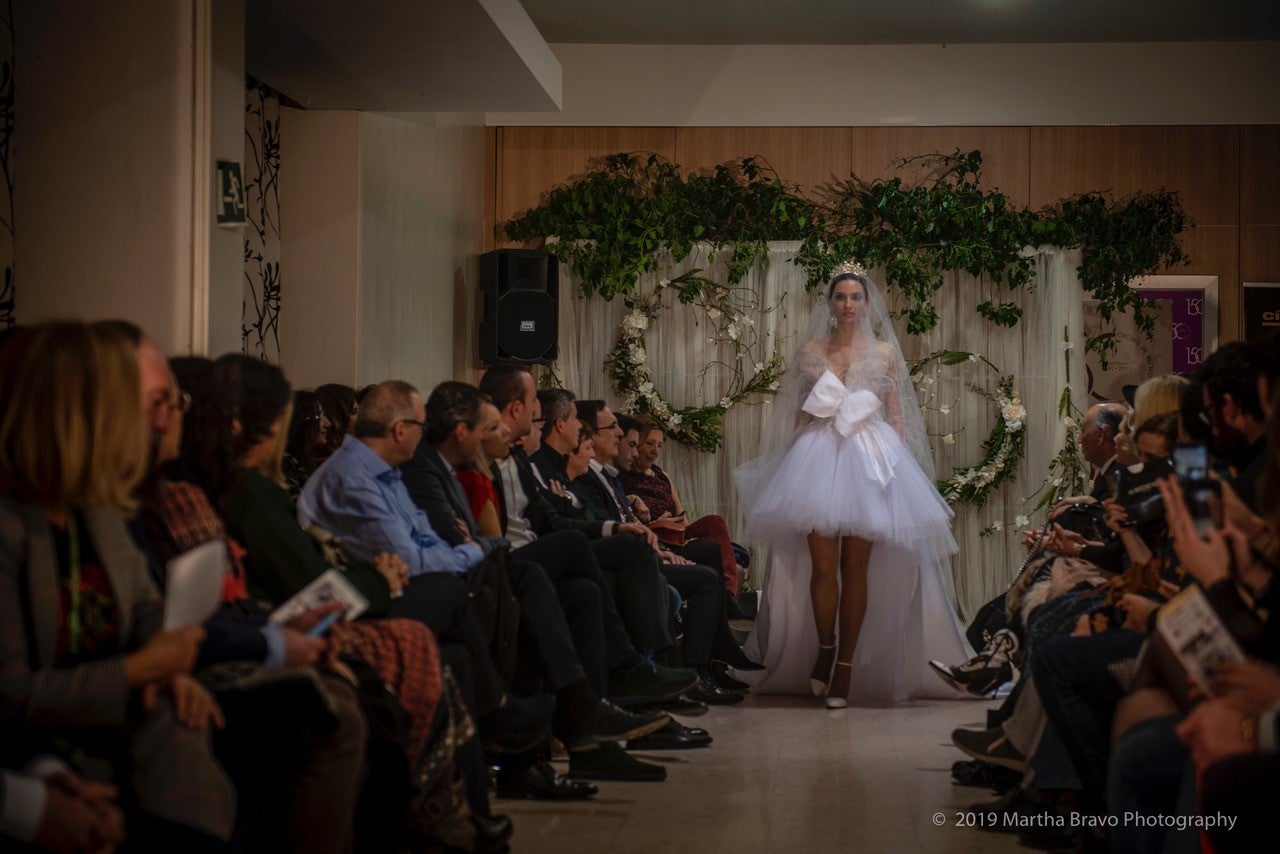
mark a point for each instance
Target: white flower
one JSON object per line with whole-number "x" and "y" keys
{"x": 1057, "y": 481}
{"x": 973, "y": 357}
{"x": 636, "y": 355}
{"x": 725, "y": 403}
{"x": 916, "y": 378}
{"x": 645, "y": 388}
{"x": 1069, "y": 422}
{"x": 675, "y": 419}
{"x": 949, "y": 439}
{"x": 1013, "y": 412}
{"x": 997, "y": 525}
{"x": 747, "y": 322}
{"x": 733, "y": 332}
{"x": 773, "y": 386}
{"x": 945, "y": 409}
{"x": 1067, "y": 345}
{"x": 759, "y": 366}
{"x": 713, "y": 313}
{"x": 928, "y": 380}
{"x": 1020, "y": 521}
{"x": 662, "y": 283}
{"x": 1013, "y": 426}
{"x": 636, "y": 320}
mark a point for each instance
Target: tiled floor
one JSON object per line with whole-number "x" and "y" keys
{"x": 784, "y": 775}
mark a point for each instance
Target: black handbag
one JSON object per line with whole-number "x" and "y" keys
{"x": 497, "y": 609}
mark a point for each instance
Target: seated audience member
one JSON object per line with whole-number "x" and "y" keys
{"x": 101, "y": 675}
{"x": 306, "y": 443}
{"x": 1229, "y": 382}
{"x": 476, "y": 476}
{"x": 530, "y": 511}
{"x": 667, "y": 516}
{"x": 338, "y": 403}
{"x": 458, "y": 416}
{"x": 309, "y": 797}
{"x": 51, "y": 808}
{"x": 360, "y": 495}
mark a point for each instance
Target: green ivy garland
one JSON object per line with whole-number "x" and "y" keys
{"x": 614, "y": 222}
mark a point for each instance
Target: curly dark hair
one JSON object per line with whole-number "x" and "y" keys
{"x": 1232, "y": 369}
{"x": 258, "y": 393}
{"x": 205, "y": 457}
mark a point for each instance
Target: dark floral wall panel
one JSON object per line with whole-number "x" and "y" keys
{"x": 260, "y": 310}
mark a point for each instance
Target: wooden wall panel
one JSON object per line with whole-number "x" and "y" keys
{"x": 1260, "y": 253}
{"x": 1005, "y": 153}
{"x": 1260, "y": 175}
{"x": 805, "y": 156}
{"x": 1200, "y": 162}
{"x": 532, "y": 160}
{"x": 1214, "y": 250}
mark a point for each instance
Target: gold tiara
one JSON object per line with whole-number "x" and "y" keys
{"x": 849, "y": 266}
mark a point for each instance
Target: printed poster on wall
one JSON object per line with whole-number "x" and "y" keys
{"x": 1261, "y": 310}
{"x": 1136, "y": 356}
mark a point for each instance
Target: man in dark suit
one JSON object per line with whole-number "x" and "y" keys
{"x": 587, "y": 631}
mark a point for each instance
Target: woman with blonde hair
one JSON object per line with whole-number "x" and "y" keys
{"x": 82, "y": 656}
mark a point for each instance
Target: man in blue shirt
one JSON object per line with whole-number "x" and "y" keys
{"x": 358, "y": 494}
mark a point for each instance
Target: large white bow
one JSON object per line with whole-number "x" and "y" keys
{"x": 850, "y": 410}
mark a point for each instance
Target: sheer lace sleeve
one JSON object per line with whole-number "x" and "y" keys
{"x": 893, "y": 391}
{"x": 810, "y": 365}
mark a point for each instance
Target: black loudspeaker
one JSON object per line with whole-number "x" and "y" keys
{"x": 521, "y": 289}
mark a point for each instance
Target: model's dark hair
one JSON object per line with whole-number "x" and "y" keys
{"x": 503, "y": 384}
{"x": 452, "y": 403}
{"x": 848, "y": 277}
{"x": 1190, "y": 408}
{"x": 1164, "y": 425}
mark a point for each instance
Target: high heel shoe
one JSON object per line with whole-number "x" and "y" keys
{"x": 834, "y": 702}
{"x": 821, "y": 673}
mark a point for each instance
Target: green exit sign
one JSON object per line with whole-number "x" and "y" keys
{"x": 230, "y": 202}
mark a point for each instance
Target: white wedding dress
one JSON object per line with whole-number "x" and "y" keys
{"x": 847, "y": 472}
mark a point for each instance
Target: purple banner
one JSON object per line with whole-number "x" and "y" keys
{"x": 1186, "y": 327}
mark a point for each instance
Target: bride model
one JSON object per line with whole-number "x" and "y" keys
{"x": 851, "y": 514}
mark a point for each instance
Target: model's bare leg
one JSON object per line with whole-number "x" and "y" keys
{"x": 824, "y": 593}
{"x": 855, "y": 553}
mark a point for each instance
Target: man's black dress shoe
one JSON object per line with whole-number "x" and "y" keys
{"x": 611, "y": 762}
{"x": 684, "y": 707}
{"x": 720, "y": 674}
{"x": 541, "y": 782}
{"x": 707, "y": 691}
{"x": 673, "y": 736}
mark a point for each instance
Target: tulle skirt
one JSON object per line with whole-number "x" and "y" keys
{"x": 832, "y": 484}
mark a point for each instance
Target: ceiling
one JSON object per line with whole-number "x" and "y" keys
{"x": 428, "y": 55}
{"x": 494, "y": 55}
{"x": 901, "y": 21}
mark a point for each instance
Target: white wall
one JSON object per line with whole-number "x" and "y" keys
{"x": 380, "y": 225}
{"x": 105, "y": 162}
{"x": 226, "y": 245}
{"x": 103, "y": 159}
{"x": 868, "y": 85}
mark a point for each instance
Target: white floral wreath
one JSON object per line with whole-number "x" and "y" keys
{"x": 727, "y": 311}
{"x": 1004, "y": 447}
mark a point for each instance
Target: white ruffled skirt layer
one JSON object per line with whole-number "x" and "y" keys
{"x": 865, "y": 485}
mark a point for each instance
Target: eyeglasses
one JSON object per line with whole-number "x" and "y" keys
{"x": 1205, "y": 417}
{"x": 183, "y": 403}
{"x": 422, "y": 425}
{"x": 604, "y": 427}
{"x": 539, "y": 421}
{"x": 177, "y": 401}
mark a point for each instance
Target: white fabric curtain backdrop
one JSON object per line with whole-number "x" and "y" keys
{"x": 679, "y": 350}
